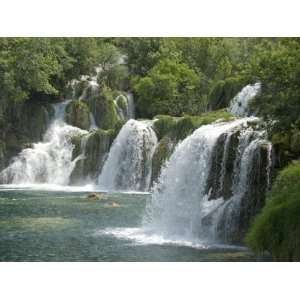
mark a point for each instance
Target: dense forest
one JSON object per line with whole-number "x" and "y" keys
{"x": 188, "y": 79}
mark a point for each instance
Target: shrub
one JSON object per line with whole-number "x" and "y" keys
{"x": 277, "y": 228}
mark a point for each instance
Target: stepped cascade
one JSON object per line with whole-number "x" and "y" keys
{"x": 128, "y": 166}
{"x": 208, "y": 190}
{"x": 49, "y": 161}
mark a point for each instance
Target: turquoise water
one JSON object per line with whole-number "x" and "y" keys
{"x": 66, "y": 226}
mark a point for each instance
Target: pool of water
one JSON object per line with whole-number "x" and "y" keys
{"x": 43, "y": 225}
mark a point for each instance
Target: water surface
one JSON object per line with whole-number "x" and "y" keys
{"x": 41, "y": 225}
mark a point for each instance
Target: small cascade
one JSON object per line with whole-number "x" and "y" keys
{"x": 92, "y": 86}
{"x": 239, "y": 105}
{"x": 124, "y": 107}
{"x": 93, "y": 122}
{"x": 130, "y": 106}
{"x": 128, "y": 166}
{"x": 49, "y": 161}
{"x": 189, "y": 204}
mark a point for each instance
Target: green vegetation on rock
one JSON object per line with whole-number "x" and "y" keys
{"x": 78, "y": 114}
{"x": 180, "y": 127}
{"x": 277, "y": 228}
{"x": 104, "y": 111}
{"x": 96, "y": 150}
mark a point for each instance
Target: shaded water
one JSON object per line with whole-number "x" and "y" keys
{"x": 45, "y": 225}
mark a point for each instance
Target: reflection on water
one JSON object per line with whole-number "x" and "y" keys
{"x": 40, "y": 225}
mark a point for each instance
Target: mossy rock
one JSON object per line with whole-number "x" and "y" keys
{"x": 163, "y": 125}
{"x": 77, "y": 114}
{"x": 122, "y": 103}
{"x": 104, "y": 111}
{"x": 161, "y": 154}
{"x": 223, "y": 92}
{"x": 96, "y": 150}
{"x": 178, "y": 128}
{"x": 96, "y": 196}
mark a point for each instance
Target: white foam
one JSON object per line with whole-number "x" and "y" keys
{"x": 141, "y": 236}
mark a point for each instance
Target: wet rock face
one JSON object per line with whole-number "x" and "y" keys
{"x": 77, "y": 114}
{"x": 240, "y": 174}
{"x": 220, "y": 179}
{"x": 94, "y": 153}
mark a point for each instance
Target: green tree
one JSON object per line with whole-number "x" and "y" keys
{"x": 276, "y": 64}
{"x": 169, "y": 88}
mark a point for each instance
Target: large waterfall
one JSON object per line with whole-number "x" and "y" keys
{"x": 182, "y": 205}
{"x": 49, "y": 161}
{"x": 128, "y": 166}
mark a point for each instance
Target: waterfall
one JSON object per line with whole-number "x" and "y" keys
{"x": 239, "y": 105}
{"x": 130, "y": 106}
{"x": 93, "y": 122}
{"x": 181, "y": 207}
{"x": 125, "y": 110}
{"x": 128, "y": 166}
{"x": 49, "y": 161}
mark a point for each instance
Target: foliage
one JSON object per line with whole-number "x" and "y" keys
{"x": 115, "y": 77}
{"x": 277, "y": 227}
{"x": 169, "y": 88}
{"x": 276, "y": 63}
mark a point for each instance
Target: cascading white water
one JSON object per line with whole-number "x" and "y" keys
{"x": 179, "y": 202}
{"x": 239, "y": 105}
{"x": 125, "y": 112}
{"x": 228, "y": 215}
{"x": 128, "y": 166}
{"x": 130, "y": 106}
{"x": 49, "y": 161}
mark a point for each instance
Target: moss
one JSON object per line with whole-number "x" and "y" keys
{"x": 277, "y": 228}
{"x": 180, "y": 128}
{"x": 77, "y": 114}
{"x": 163, "y": 125}
{"x": 122, "y": 103}
{"x": 76, "y": 141}
{"x": 103, "y": 108}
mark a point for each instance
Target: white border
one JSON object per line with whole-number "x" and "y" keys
{"x": 149, "y": 280}
{"x": 149, "y": 18}
{"x": 153, "y": 281}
